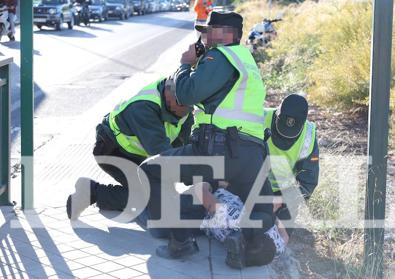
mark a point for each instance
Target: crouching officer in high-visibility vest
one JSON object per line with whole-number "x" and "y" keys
{"x": 145, "y": 125}
{"x": 226, "y": 88}
{"x": 294, "y": 154}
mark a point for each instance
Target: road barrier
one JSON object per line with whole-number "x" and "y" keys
{"x": 5, "y": 63}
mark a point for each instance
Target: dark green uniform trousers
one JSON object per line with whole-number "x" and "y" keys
{"x": 242, "y": 159}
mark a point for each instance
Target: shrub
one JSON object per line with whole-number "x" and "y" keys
{"x": 322, "y": 48}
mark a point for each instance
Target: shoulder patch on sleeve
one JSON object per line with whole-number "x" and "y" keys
{"x": 314, "y": 158}
{"x": 208, "y": 58}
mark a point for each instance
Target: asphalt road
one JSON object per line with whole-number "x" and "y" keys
{"x": 75, "y": 69}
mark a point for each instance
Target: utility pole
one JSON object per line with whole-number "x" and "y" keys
{"x": 378, "y": 137}
{"x": 27, "y": 102}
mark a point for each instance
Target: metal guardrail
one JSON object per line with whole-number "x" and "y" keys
{"x": 5, "y": 113}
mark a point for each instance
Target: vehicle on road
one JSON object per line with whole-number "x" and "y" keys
{"x": 130, "y": 8}
{"x": 178, "y": 6}
{"x": 77, "y": 10}
{"x": 4, "y": 24}
{"x": 164, "y": 5}
{"x": 118, "y": 8}
{"x": 85, "y": 14}
{"x": 99, "y": 10}
{"x": 53, "y": 13}
{"x": 153, "y": 6}
{"x": 139, "y": 6}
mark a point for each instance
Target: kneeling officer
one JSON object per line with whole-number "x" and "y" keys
{"x": 145, "y": 125}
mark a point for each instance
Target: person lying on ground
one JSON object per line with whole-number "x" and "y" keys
{"x": 224, "y": 212}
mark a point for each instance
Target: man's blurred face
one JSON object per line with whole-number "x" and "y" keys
{"x": 172, "y": 105}
{"x": 218, "y": 35}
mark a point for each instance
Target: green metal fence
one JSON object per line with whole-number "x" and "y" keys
{"x": 5, "y": 130}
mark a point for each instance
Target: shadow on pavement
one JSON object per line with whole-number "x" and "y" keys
{"x": 20, "y": 255}
{"x": 75, "y": 33}
{"x": 39, "y": 97}
{"x": 95, "y": 27}
{"x": 114, "y": 21}
{"x": 117, "y": 241}
{"x": 17, "y": 45}
{"x": 165, "y": 21}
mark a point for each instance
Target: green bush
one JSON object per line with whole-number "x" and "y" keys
{"x": 322, "y": 48}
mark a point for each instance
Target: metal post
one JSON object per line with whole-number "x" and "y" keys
{"x": 378, "y": 136}
{"x": 5, "y": 130}
{"x": 27, "y": 102}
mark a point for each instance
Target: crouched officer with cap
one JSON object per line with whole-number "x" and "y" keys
{"x": 228, "y": 93}
{"x": 145, "y": 125}
{"x": 294, "y": 154}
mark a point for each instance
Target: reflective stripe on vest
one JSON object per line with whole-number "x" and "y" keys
{"x": 132, "y": 144}
{"x": 243, "y": 105}
{"x": 283, "y": 162}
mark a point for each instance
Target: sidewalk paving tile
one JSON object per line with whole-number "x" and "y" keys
{"x": 103, "y": 276}
{"x": 62, "y": 265}
{"x": 7, "y": 271}
{"x": 63, "y": 276}
{"x": 159, "y": 272}
{"x": 130, "y": 261}
{"x": 85, "y": 272}
{"x": 91, "y": 261}
{"x": 107, "y": 266}
{"x": 42, "y": 271}
{"x": 93, "y": 250}
{"x": 125, "y": 273}
{"x": 75, "y": 254}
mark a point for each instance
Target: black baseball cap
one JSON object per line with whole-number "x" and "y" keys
{"x": 291, "y": 116}
{"x": 230, "y": 19}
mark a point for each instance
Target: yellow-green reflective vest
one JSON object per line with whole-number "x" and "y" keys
{"x": 243, "y": 105}
{"x": 283, "y": 162}
{"x": 132, "y": 144}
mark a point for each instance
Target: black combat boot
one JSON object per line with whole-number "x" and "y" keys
{"x": 235, "y": 247}
{"x": 84, "y": 196}
{"x": 177, "y": 249}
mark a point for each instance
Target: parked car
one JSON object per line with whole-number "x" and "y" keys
{"x": 130, "y": 8}
{"x": 53, "y": 13}
{"x": 139, "y": 6}
{"x": 99, "y": 10}
{"x": 179, "y": 5}
{"x": 118, "y": 8}
{"x": 154, "y": 6}
{"x": 146, "y": 5}
{"x": 164, "y": 5}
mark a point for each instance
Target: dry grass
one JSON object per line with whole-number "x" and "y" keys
{"x": 324, "y": 49}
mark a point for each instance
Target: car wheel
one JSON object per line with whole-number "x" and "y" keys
{"x": 70, "y": 24}
{"x": 39, "y": 26}
{"x": 58, "y": 26}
